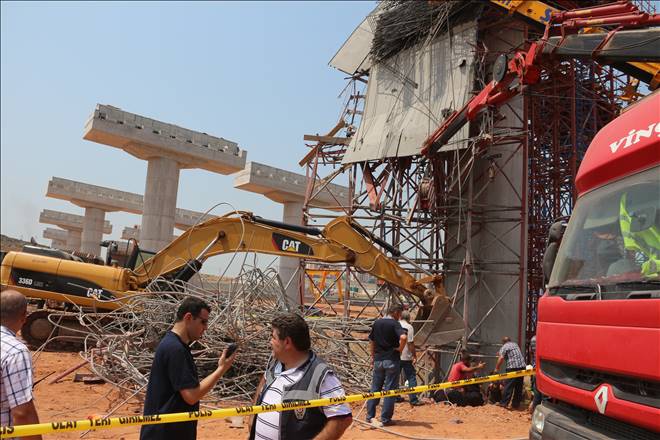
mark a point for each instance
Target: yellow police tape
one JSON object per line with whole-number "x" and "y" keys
{"x": 114, "y": 422}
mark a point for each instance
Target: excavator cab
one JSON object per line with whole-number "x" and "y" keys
{"x": 127, "y": 255}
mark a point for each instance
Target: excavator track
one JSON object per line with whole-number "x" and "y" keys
{"x": 65, "y": 336}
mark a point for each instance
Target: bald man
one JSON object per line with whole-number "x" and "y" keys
{"x": 16, "y": 400}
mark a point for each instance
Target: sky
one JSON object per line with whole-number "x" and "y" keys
{"x": 255, "y": 73}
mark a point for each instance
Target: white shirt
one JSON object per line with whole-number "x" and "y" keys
{"x": 16, "y": 374}
{"x": 406, "y": 355}
{"x": 267, "y": 425}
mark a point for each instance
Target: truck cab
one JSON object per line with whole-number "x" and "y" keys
{"x": 598, "y": 329}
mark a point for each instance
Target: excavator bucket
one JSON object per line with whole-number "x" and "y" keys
{"x": 441, "y": 326}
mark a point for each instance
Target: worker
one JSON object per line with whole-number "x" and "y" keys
{"x": 511, "y": 354}
{"x": 640, "y": 234}
{"x": 386, "y": 342}
{"x": 461, "y": 370}
{"x": 537, "y": 396}
{"x": 16, "y": 400}
{"x": 295, "y": 372}
{"x": 408, "y": 356}
{"x": 174, "y": 385}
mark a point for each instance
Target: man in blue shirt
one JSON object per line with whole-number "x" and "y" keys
{"x": 174, "y": 385}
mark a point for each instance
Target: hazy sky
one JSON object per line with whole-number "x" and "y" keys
{"x": 255, "y": 73}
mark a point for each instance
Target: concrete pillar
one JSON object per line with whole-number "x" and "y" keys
{"x": 289, "y": 267}
{"x": 73, "y": 240}
{"x": 57, "y": 244}
{"x": 92, "y": 231}
{"x": 159, "y": 203}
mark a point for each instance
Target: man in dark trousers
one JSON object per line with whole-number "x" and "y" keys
{"x": 386, "y": 340}
{"x": 174, "y": 385}
{"x": 510, "y": 352}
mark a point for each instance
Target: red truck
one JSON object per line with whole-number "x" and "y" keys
{"x": 598, "y": 330}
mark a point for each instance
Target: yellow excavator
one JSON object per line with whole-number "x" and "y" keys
{"x": 105, "y": 287}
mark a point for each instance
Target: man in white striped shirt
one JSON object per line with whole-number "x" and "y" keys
{"x": 295, "y": 373}
{"x": 16, "y": 400}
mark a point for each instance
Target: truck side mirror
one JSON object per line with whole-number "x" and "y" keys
{"x": 549, "y": 260}
{"x": 555, "y": 234}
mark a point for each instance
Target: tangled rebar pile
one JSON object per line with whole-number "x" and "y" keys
{"x": 120, "y": 345}
{"x": 402, "y": 24}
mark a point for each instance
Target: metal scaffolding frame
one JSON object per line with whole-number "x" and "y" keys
{"x": 432, "y": 210}
{"x": 567, "y": 108}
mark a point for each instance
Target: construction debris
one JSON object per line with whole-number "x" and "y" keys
{"x": 401, "y": 24}
{"x": 120, "y": 345}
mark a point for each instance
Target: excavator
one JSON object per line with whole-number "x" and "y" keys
{"x": 103, "y": 287}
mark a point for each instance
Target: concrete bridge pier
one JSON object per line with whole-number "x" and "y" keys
{"x": 73, "y": 240}
{"x": 56, "y": 236}
{"x": 92, "y": 231}
{"x": 160, "y": 194}
{"x": 290, "y": 272}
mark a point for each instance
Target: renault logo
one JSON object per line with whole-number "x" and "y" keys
{"x": 601, "y": 399}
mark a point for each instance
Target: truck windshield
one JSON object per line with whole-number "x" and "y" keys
{"x": 611, "y": 246}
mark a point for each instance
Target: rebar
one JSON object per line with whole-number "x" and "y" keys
{"x": 120, "y": 345}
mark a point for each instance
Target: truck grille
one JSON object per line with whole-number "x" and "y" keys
{"x": 620, "y": 430}
{"x": 643, "y": 392}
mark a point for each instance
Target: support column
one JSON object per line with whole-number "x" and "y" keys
{"x": 92, "y": 231}
{"x": 289, "y": 273}
{"x": 73, "y": 240}
{"x": 57, "y": 244}
{"x": 159, "y": 203}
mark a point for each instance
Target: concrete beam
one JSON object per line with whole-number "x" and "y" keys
{"x": 58, "y": 237}
{"x": 133, "y": 232}
{"x": 86, "y": 195}
{"x": 95, "y": 197}
{"x": 74, "y": 225}
{"x": 167, "y": 148}
{"x": 284, "y": 186}
{"x": 66, "y": 221}
{"x": 130, "y": 232}
{"x": 147, "y": 138}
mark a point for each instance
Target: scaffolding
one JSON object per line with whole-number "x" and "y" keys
{"x": 477, "y": 213}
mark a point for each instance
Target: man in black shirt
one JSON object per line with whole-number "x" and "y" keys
{"x": 174, "y": 385}
{"x": 386, "y": 340}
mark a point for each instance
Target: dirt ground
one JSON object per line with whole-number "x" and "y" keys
{"x": 68, "y": 400}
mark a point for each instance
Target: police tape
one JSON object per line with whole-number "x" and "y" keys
{"x": 115, "y": 422}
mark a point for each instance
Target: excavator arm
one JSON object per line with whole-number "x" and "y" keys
{"x": 341, "y": 241}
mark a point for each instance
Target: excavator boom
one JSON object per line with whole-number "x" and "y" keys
{"x": 340, "y": 241}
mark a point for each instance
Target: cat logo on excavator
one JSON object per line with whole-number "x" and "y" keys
{"x": 288, "y": 244}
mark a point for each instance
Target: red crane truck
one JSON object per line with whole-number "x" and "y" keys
{"x": 598, "y": 329}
